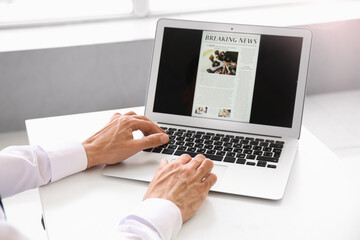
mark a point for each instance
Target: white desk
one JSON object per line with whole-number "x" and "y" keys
{"x": 322, "y": 200}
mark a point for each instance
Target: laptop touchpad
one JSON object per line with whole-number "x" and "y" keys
{"x": 219, "y": 171}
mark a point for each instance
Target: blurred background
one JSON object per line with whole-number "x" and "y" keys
{"x": 65, "y": 57}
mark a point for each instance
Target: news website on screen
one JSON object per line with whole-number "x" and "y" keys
{"x": 226, "y": 76}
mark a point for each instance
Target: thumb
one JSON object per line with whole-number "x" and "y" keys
{"x": 152, "y": 140}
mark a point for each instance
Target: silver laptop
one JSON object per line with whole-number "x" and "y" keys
{"x": 234, "y": 93}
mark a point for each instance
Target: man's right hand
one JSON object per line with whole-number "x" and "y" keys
{"x": 186, "y": 182}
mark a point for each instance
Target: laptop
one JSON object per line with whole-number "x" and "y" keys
{"x": 234, "y": 93}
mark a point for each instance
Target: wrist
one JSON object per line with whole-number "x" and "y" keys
{"x": 92, "y": 154}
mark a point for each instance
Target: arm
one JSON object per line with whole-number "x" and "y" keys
{"x": 26, "y": 167}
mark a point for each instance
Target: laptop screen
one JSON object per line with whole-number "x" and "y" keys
{"x": 228, "y": 76}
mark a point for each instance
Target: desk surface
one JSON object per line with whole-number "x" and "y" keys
{"x": 322, "y": 200}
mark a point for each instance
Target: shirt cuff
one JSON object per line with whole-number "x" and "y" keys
{"x": 68, "y": 159}
{"x": 162, "y": 215}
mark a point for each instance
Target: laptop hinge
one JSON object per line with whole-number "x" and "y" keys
{"x": 211, "y": 129}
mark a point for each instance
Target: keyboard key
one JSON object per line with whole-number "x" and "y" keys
{"x": 276, "y": 145}
{"x": 229, "y": 159}
{"x": 268, "y": 159}
{"x": 189, "y": 144}
{"x": 254, "y": 143}
{"x": 199, "y": 145}
{"x": 172, "y": 142}
{"x": 280, "y": 142}
{"x": 188, "y": 135}
{"x": 208, "y": 141}
{"x": 148, "y": 150}
{"x": 269, "y": 141}
{"x": 257, "y": 148}
{"x": 261, "y": 164}
{"x": 267, "y": 149}
{"x": 230, "y": 154}
{"x": 172, "y": 147}
{"x": 264, "y": 144}
{"x": 216, "y": 138}
{"x": 225, "y": 139}
{"x": 240, "y": 155}
{"x": 180, "y": 143}
{"x": 198, "y": 140}
{"x": 200, "y": 151}
{"x": 268, "y": 154}
{"x": 168, "y": 151}
{"x": 200, "y": 132}
{"x": 229, "y": 136}
{"x": 179, "y": 134}
{"x": 258, "y": 152}
{"x": 236, "y": 145}
{"x": 210, "y": 133}
{"x": 189, "y": 139}
{"x": 237, "y": 150}
{"x": 208, "y": 146}
{"x": 211, "y": 151}
{"x": 271, "y": 166}
{"x": 227, "y": 144}
{"x": 276, "y": 155}
{"x": 179, "y": 152}
{"x": 207, "y": 137}
{"x": 239, "y": 137}
{"x": 260, "y": 139}
{"x": 277, "y": 150}
{"x": 213, "y": 157}
{"x": 164, "y": 128}
{"x": 219, "y": 148}
{"x": 228, "y": 149}
{"x": 219, "y": 135}
{"x": 183, "y": 148}
{"x": 249, "y": 138}
{"x": 240, "y": 161}
{"x": 250, "y": 157}
{"x": 157, "y": 150}
{"x": 181, "y": 130}
{"x": 191, "y": 149}
{"x": 220, "y": 153}
{"x": 190, "y": 131}
{"x": 235, "y": 140}
{"x": 247, "y": 151}
{"x": 250, "y": 163}
{"x": 180, "y": 138}
{"x": 246, "y": 147}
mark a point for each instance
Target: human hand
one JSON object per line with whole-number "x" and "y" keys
{"x": 114, "y": 143}
{"x": 186, "y": 182}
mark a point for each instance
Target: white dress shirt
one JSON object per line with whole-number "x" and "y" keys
{"x": 26, "y": 167}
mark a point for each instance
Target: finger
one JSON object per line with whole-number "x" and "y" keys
{"x": 147, "y": 119}
{"x": 204, "y": 169}
{"x": 146, "y": 127}
{"x": 152, "y": 140}
{"x": 183, "y": 159}
{"x": 131, "y": 113}
{"x": 196, "y": 161}
{"x": 210, "y": 180}
{"x": 163, "y": 162}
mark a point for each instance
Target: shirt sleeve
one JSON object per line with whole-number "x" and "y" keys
{"x": 26, "y": 167}
{"x": 154, "y": 218}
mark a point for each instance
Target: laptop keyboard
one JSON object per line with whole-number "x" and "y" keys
{"x": 260, "y": 152}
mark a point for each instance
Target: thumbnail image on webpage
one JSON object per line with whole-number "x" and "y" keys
{"x": 226, "y": 76}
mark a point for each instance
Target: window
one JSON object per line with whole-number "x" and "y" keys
{"x": 38, "y": 12}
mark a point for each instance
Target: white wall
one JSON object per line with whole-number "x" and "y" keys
{"x": 48, "y": 82}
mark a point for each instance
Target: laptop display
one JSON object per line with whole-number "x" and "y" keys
{"x": 228, "y": 76}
